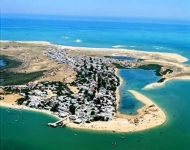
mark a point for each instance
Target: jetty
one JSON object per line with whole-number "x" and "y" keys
{"x": 59, "y": 121}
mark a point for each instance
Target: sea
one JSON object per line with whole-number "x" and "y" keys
{"x": 27, "y": 129}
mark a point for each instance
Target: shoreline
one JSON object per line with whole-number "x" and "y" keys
{"x": 22, "y": 107}
{"x": 117, "y": 90}
{"x": 133, "y": 53}
{"x": 159, "y": 84}
{"x": 115, "y": 125}
{"x": 30, "y": 42}
{"x": 120, "y": 122}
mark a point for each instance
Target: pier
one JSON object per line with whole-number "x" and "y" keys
{"x": 57, "y": 122}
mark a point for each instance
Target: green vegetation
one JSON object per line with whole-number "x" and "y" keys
{"x": 11, "y": 78}
{"x": 21, "y": 100}
{"x": 55, "y": 108}
{"x": 16, "y": 90}
{"x": 155, "y": 67}
{"x": 161, "y": 80}
{"x": 119, "y": 66}
{"x": 72, "y": 109}
{"x": 167, "y": 71}
{"x": 10, "y": 63}
{"x": 93, "y": 112}
{"x": 81, "y": 78}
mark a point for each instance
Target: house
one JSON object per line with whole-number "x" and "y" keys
{"x": 78, "y": 121}
{"x": 63, "y": 114}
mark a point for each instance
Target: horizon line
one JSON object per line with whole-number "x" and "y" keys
{"x": 93, "y": 16}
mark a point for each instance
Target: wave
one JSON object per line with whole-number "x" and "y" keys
{"x": 132, "y": 46}
{"x": 65, "y": 37}
{"x": 118, "y": 46}
{"x": 78, "y": 40}
{"x": 158, "y": 47}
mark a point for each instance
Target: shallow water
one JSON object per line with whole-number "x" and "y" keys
{"x": 31, "y": 132}
{"x": 133, "y": 79}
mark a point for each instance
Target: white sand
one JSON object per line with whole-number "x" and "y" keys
{"x": 159, "y": 84}
{"x": 135, "y": 53}
{"x": 154, "y": 118}
{"x": 29, "y": 42}
{"x": 117, "y": 51}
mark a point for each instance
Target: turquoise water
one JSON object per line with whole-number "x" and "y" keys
{"x": 2, "y": 63}
{"x": 133, "y": 79}
{"x": 31, "y": 132}
{"x": 139, "y": 34}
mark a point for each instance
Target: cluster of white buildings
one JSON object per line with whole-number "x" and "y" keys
{"x": 96, "y": 83}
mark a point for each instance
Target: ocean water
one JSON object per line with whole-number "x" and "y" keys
{"x": 30, "y": 131}
{"x": 139, "y": 34}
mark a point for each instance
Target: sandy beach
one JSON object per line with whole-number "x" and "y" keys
{"x": 133, "y": 53}
{"x": 30, "y": 42}
{"x": 147, "y": 117}
{"x": 169, "y": 57}
{"x": 149, "y": 120}
{"x": 153, "y": 118}
{"x": 159, "y": 84}
{"x": 13, "y": 105}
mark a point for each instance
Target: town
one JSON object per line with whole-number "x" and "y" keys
{"x": 96, "y": 85}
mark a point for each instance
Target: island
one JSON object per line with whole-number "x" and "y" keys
{"x": 80, "y": 85}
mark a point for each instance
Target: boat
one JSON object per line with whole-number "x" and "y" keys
{"x": 63, "y": 125}
{"x": 122, "y": 137}
{"x": 114, "y": 144}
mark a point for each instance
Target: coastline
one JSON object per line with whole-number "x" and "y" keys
{"x": 117, "y": 90}
{"x": 132, "y": 52}
{"x": 30, "y": 42}
{"x": 121, "y": 122}
{"x": 115, "y": 125}
{"x": 115, "y": 51}
{"x": 9, "y": 101}
{"x": 159, "y": 84}
{"x": 21, "y": 107}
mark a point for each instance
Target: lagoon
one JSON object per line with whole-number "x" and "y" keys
{"x": 2, "y": 63}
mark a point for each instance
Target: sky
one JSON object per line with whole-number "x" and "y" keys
{"x": 174, "y": 9}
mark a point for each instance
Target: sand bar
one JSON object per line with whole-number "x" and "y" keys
{"x": 159, "y": 84}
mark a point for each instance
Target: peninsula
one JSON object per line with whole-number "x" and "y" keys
{"x": 80, "y": 86}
